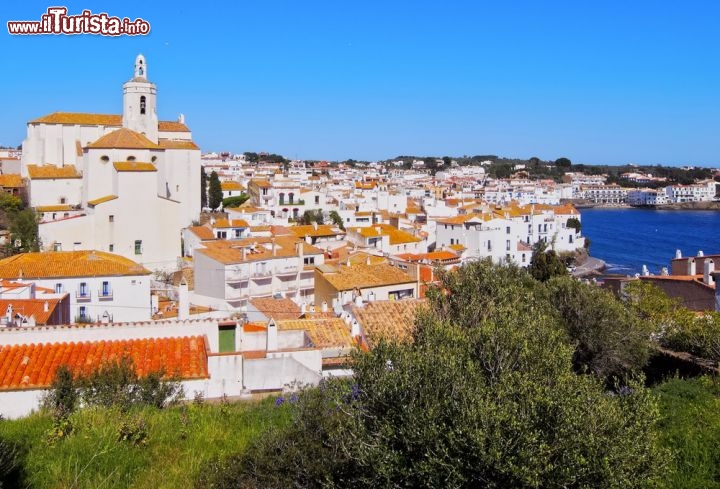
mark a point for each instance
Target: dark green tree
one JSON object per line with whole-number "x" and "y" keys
{"x": 574, "y": 223}
{"x": 24, "y": 231}
{"x": 611, "y": 340}
{"x": 310, "y": 216}
{"x": 482, "y": 395}
{"x": 215, "y": 194}
{"x": 203, "y": 188}
{"x": 251, "y": 157}
{"x": 563, "y": 163}
{"x": 336, "y": 219}
{"x": 545, "y": 263}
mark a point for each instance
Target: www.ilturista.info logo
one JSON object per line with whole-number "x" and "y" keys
{"x": 57, "y": 21}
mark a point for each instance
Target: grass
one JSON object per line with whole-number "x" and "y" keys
{"x": 690, "y": 428}
{"x": 167, "y": 448}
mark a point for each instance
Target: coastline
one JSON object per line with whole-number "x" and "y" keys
{"x": 684, "y": 206}
{"x": 590, "y": 267}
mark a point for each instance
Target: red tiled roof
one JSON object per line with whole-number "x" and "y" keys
{"x": 33, "y": 366}
{"x": 124, "y": 139}
{"x": 10, "y": 180}
{"x": 32, "y": 307}
{"x": 172, "y": 126}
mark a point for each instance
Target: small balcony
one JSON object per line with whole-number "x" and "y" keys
{"x": 237, "y": 278}
{"x": 105, "y": 295}
{"x": 83, "y": 295}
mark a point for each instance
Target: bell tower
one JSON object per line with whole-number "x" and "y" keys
{"x": 140, "y": 102}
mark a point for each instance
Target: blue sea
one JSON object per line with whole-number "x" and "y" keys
{"x": 627, "y": 239}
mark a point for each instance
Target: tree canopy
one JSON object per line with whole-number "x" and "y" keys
{"x": 482, "y": 395}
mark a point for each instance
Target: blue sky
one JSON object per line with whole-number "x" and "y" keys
{"x": 598, "y": 82}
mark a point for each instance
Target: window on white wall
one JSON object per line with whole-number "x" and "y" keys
{"x": 138, "y": 247}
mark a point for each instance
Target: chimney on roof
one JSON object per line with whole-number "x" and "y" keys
{"x": 274, "y": 246}
{"x": 367, "y": 260}
{"x": 378, "y": 229}
{"x": 709, "y": 269}
{"x": 323, "y": 306}
{"x": 645, "y": 271}
{"x": 272, "y": 336}
{"x": 9, "y": 314}
{"x": 355, "y": 329}
{"x": 183, "y": 300}
{"x": 244, "y": 252}
{"x": 691, "y": 266}
{"x": 678, "y": 254}
{"x": 315, "y": 225}
{"x": 303, "y": 308}
{"x": 46, "y": 306}
{"x": 700, "y": 253}
{"x": 181, "y": 118}
{"x": 300, "y": 250}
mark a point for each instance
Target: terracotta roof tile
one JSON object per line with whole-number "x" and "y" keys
{"x": 322, "y": 230}
{"x": 363, "y": 276}
{"x": 202, "y": 232}
{"x": 124, "y": 139}
{"x": 51, "y": 264}
{"x": 11, "y": 180}
{"x": 231, "y": 185}
{"x": 134, "y": 166}
{"x": 172, "y": 126}
{"x": 101, "y": 200}
{"x": 177, "y": 144}
{"x": 323, "y": 332}
{"x": 388, "y": 320}
{"x": 33, "y": 366}
{"x": 54, "y": 208}
{"x": 83, "y": 119}
{"x": 397, "y": 236}
{"x": 32, "y": 307}
{"x": 277, "y": 308}
{"x": 44, "y": 172}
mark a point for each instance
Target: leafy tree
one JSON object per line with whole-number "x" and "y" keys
{"x": 563, "y": 163}
{"x": 203, "y": 188}
{"x": 545, "y": 264}
{"x": 482, "y": 396}
{"x": 215, "y": 194}
{"x": 574, "y": 223}
{"x": 63, "y": 397}
{"x": 447, "y": 161}
{"x": 235, "y": 201}
{"x": 611, "y": 340}
{"x": 310, "y": 216}
{"x": 251, "y": 157}
{"x": 336, "y": 219}
{"x": 24, "y": 231}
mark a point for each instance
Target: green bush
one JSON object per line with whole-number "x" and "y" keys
{"x": 483, "y": 396}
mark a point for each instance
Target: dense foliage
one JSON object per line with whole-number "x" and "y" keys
{"x": 234, "y": 201}
{"x": 483, "y": 396}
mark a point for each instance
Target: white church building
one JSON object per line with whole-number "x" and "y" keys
{"x": 126, "y": 184}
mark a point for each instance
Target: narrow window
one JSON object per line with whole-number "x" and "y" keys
{"x": 111, "y": 248}
{"x": 142, "y": 104}
{"x": 138, "y": 247}
{"x": 111, "y": 218}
